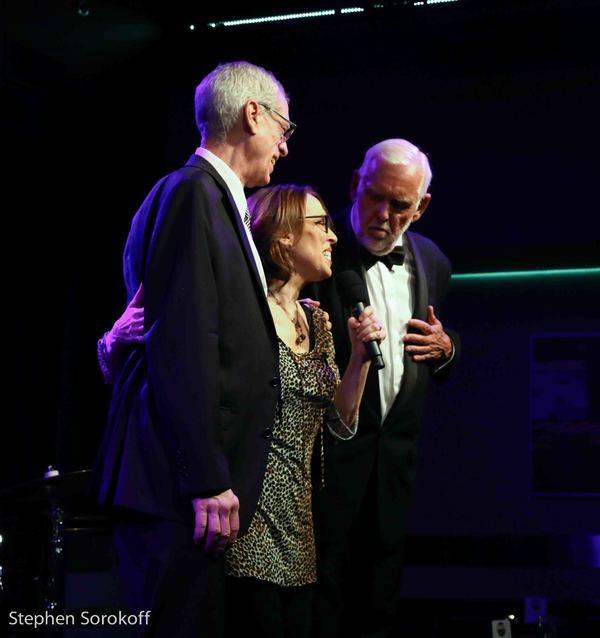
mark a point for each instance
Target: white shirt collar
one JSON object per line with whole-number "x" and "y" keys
{"x": 229, "y": 177}
{"x": 233, "y": 183}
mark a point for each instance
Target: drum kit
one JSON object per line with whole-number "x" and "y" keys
{"x": 36, "y": 518}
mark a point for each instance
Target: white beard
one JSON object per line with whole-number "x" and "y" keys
{"x": 385, "y": 246}
{"x": 376, "y": 246}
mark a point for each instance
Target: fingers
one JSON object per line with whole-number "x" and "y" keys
{"x": 422, "y": 347}
{"x": 367, "y": 312}
{"x": 201, "y": 519}
{"x": 213, "y": 543}
{"x": 430, "y": 342}
{"x": 367, "y": 327}
{"x": 435, "y": 345}
{"x": 138, "y": 298}
{"x": 129, "y": 328}
{"x": 425, "y": 326}
{"x": 422, "y": 353}
{"x": 431, "y": 318}
{"x": 310, "y": 302}
{"x": 421, "y": 326}
{"x": 430, "y": 353}
{"x": 315, "y": 304}
{"x": 370, "y": 332}
{"x": 216, "y": 521}
{"x": 417, "y": 339}
{"x": 327, "y": 322}
{"x": 135, "y": 327}
{"x": 234, "y": 522}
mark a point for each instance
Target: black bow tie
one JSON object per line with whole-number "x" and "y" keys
{"x": 395, "y": 258}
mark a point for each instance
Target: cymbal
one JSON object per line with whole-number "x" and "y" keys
{"x": 65, "y": 485}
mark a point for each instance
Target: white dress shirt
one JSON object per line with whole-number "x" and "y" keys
{"x": 391, "y": 295}
{"x": 236, "y": 189}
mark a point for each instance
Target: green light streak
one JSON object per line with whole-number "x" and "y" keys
{"x": 527, "y": 274}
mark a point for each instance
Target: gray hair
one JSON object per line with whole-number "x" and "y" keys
{"x": 224, "y": 91}
{"x": 398, "y": 151}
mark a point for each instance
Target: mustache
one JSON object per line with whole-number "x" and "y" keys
{"x": 385, "y": 227}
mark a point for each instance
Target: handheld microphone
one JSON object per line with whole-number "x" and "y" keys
{"x": 354, "y": 293}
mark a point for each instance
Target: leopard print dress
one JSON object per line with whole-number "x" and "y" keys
{"x": 279, "y": 546}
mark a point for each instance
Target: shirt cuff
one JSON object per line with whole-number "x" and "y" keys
{"x": 102, "y": 353}
{"x": 447, "y": 361}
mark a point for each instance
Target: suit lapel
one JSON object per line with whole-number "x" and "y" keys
{"x": 238, "y": 224}
{"x": 420, "y": 278}
{"x": 419, "y": 290}
{"x": 232, "y": 211}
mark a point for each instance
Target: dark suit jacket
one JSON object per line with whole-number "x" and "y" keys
{"x": 390, "y": 448}
{"x": 192, "y": 410}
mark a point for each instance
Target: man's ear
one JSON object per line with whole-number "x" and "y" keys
{"x": 421, "y": 208}
{"x": 354, "y": 186}
{"x": 250, "y": 116}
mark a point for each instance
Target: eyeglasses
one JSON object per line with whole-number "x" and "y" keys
{"x": 285, "y": 136}
{"x": 325, "y": 222}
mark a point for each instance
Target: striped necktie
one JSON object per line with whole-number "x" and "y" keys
{"x": 247, "y": 218}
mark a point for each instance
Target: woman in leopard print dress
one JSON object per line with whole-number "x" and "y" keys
{"x": 272, "y": 567}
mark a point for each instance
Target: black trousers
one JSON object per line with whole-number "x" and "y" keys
{"x": 262, "y": 609}
{"x": 359, "y": 579}
{"x": 163, "y": 571}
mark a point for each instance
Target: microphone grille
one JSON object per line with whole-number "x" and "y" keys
{"x": 351, "y": 288}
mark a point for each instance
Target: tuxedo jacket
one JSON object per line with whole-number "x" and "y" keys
{"x": 192, "y": 409}
{"x": 385, "y": 453}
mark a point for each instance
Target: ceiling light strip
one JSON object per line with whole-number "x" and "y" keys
{"x": 274, "y": 18}
{"x": 316, "y": 14}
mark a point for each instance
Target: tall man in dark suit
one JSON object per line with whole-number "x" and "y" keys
{"x": 188, "y": 434}
{"x": 360, "y": 513}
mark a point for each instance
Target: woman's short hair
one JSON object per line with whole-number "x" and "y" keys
{"x": 277, "y": 211}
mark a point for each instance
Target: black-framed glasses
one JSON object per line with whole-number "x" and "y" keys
{"x": 291, "y": 127}
{"x": 325, "y": 223}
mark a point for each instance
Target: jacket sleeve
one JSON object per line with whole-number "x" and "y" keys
{"x": 441, "y": 371}
{"x": 182, "y": 334}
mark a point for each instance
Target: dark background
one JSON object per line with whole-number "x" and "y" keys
{"x": 503, "y": 96}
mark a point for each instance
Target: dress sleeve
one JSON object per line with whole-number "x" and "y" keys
{"x": 337, "y": 428}
{"x": 332, "y": 419}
